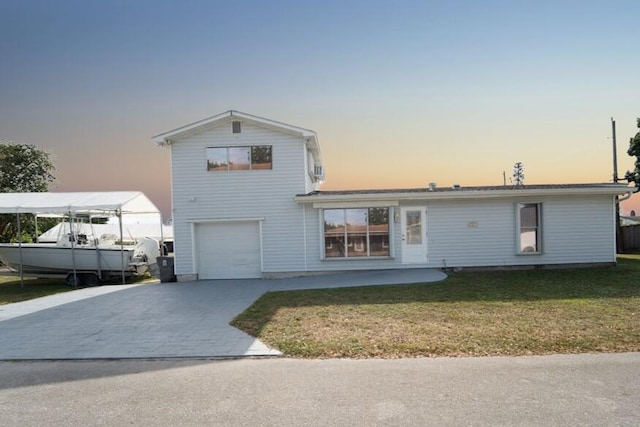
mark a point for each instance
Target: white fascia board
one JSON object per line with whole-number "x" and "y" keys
{"x": 273, "y": 124}
{"x": 356, "y": 204}
{"x": 166, "y": 138}
{"x": 223, "y": 220}
{"x": 462, "y": 195}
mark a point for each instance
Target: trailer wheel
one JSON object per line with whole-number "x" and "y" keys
{"x": 72, "y": 280}
{"x": 90, "y": 279}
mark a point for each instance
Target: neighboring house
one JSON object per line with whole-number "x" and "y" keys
{"x": 629, "y": 220}
{"x": 247, "y": 203}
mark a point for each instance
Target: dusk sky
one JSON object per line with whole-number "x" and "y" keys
{"x": 400, "y": 93}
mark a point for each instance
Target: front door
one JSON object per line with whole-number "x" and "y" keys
{"x": 414, "y": 235}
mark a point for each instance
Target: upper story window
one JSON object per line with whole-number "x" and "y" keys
{"x": 255, "y": 157}
{"x": 356, "y": 233}
{"x": 529, "y": 228}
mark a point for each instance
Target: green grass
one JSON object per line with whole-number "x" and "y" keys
{"x": 11, "y": 290}
{"x": 469, "y": 314}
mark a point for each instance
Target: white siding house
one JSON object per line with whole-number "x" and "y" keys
{"x": 234, "y": 177}
{"x": 247, "y": 203}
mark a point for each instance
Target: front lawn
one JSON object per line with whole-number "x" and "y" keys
{"x": 469, "y": 314}
{"x": 12, "y": 291}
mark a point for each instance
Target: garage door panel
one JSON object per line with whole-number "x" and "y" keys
{"x": 229, "y": 250}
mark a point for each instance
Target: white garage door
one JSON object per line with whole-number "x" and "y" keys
{"x": 228, "y": 250}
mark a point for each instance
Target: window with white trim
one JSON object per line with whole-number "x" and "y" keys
{"x": 356, "y": 233}
{"x": 255, "y": 157}
{"x": 529, "y": 233}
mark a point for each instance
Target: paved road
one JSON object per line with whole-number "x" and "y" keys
{"x": 571, "y": 390}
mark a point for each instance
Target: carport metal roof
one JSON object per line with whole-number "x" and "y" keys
{"x": 132, "y": 202}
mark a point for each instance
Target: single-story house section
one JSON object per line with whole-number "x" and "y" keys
{"x": 247, "y": 204}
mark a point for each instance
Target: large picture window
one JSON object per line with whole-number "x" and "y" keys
{"x": 255, "y": 157}
{"x": 529, "y": 228}
{"x": 356, "y": 233}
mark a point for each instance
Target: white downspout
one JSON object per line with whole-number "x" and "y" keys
{"x": 627, "y": 196}
{"x": 617, "y": 234}
{"x": 304, "y": 235}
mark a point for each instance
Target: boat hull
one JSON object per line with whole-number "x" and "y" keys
{"x": 51, "y": 259}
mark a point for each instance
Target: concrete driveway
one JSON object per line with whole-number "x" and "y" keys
{"x": 172, "y": 320}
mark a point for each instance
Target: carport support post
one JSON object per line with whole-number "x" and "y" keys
{"x": 20, "y": 249}
{"x": 72, "y": 239}
{"x": 161, "y": 238}
{"x": 119, "y": 214}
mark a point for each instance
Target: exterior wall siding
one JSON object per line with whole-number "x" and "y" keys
{"x": 574, "y": 230}
{"x": 463, "y": 233}
{"x": 482, "y": 233}
{"x": 201, "y": 195}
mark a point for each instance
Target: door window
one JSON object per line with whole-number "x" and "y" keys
{"x": 414, "y": 227}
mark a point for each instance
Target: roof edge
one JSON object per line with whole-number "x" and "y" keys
{"x": 487, "y": 192}
{"x": 166, "y": 138}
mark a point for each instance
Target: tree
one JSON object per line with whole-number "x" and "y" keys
{"x": 518, "y": 174}
{"x": 634, "y": 151}
{"x": 23, "y": 168}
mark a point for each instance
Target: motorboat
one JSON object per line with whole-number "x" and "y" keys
{"x": 78, "y": 249}
{"x": 81, "y": 259}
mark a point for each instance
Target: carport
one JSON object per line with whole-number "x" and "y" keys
{"x": 75, "y": 204}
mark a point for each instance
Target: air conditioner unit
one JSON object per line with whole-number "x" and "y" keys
{"x": 318, "y": 172}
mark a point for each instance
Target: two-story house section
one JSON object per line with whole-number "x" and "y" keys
{"x": 234, "y": 179}
{"x": 247, "y": 203}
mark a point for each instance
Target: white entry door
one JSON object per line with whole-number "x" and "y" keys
{"x": 414, "y": 235}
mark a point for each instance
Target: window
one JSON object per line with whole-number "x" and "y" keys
{"x": 239, "y": 158}
{"x": 217, "y": 159}
{"x": 236, "y": 127}
{"x": 529, "y": 228}
{"x": 414, "y": 227}
{"x": 356, "y": 233}
{"x": 261, "y": 157}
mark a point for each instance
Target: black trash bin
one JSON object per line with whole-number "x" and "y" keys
{"x": 165, "y": 265}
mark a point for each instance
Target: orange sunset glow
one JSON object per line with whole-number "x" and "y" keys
{"x": 399, "y": 96}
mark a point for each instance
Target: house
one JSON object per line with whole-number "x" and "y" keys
{"x": 247, "y": 203}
